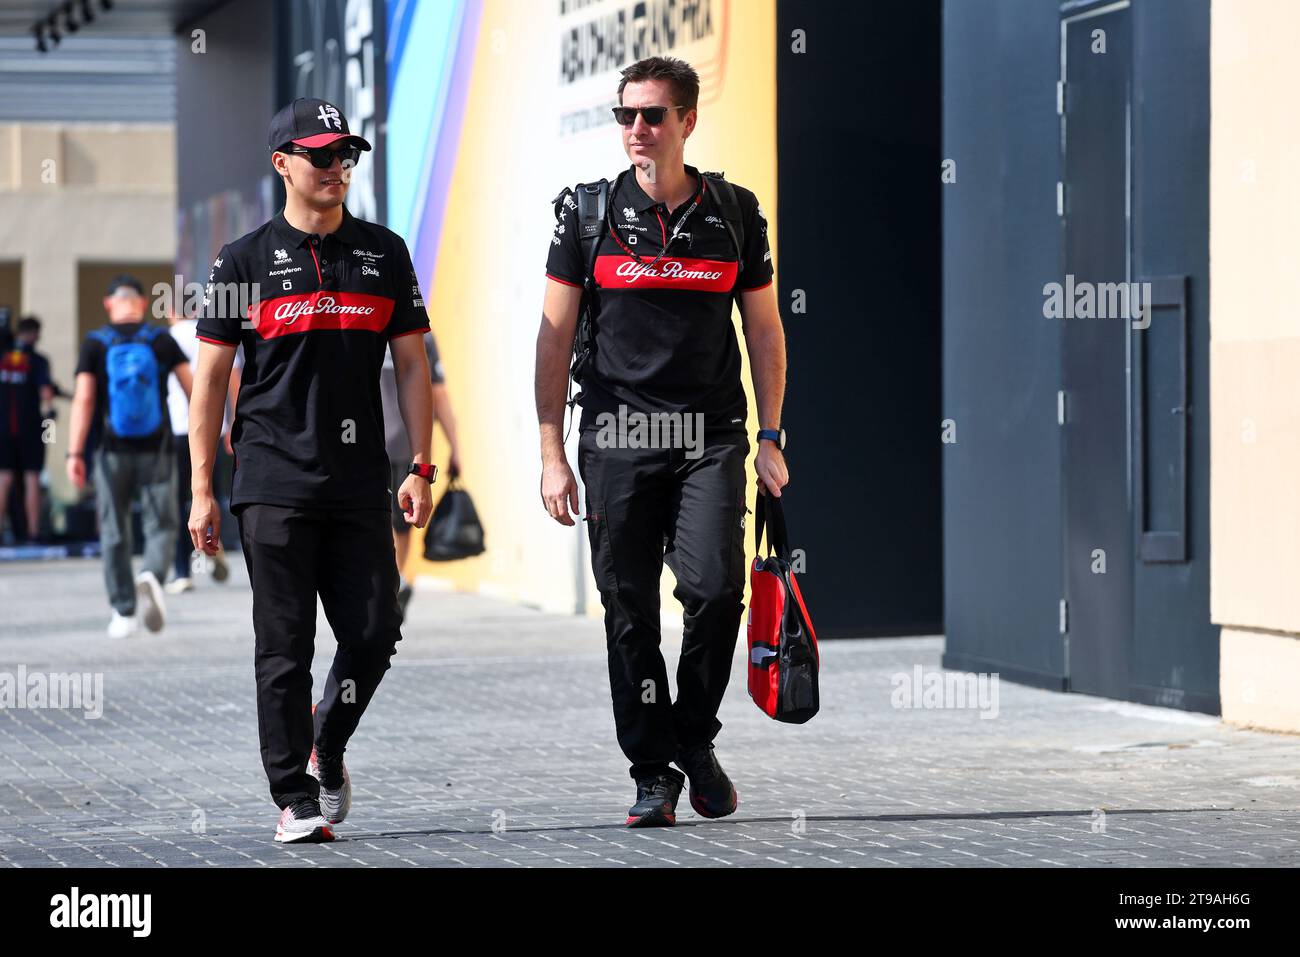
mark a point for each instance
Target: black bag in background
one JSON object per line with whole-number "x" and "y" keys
{"x": 454, "y": 531}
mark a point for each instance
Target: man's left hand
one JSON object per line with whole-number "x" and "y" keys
{"x": 416, "y": 499}
{"x": 770, "y": 466}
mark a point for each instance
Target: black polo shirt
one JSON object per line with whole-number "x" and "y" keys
{"x": 309, "y": 423}
{"x": 665, "y": 341}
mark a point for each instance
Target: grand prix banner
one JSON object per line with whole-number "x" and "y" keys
{"x": 493, "y": 107}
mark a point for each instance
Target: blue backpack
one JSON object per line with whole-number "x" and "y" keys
{"x": 134, "y": 399}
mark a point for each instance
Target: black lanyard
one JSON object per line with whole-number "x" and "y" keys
{"x": 669, "y": 241}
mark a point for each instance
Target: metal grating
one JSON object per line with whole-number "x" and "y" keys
{"x": 89, "y": 79}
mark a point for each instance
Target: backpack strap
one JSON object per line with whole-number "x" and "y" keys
{"x": 111, "y": 337}
{"x": 592, "y": 200}
{"x": 725, "y": 195}
{"x": 593, "y": 203}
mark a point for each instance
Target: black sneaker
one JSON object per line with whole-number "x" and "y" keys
{"x": 656, "y": 800}
{"x": 712, "y": 793}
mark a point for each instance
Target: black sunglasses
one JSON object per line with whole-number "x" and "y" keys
{"x": 322, "y": 157}
{"x": 654, "y": 115}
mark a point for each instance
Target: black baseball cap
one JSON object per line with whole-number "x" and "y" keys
{"x": 310, "y": 122}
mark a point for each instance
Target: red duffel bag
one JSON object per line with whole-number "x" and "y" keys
{"x": 783, "y": 658}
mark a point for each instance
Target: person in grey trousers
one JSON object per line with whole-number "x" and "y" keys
{"x": 122, "y": 376}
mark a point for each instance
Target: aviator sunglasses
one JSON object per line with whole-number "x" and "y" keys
{"x": 654, "y": 115}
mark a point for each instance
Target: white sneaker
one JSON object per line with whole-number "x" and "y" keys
{"x": 149, "y": 601}
{"x": 302, "y": 822}
{"x": 178, "y": 586}
{"x": 122, "y": 626}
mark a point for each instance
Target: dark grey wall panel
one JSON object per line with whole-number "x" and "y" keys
{"x": 858, "y": 155}
{"x": 1001, "y": 358}
{"x": 224, "y": 105}
{"x": 225, "y": 101}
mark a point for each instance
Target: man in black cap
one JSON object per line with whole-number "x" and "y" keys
{"x": 123, "y": 373}
{"x": 315, "y": 297}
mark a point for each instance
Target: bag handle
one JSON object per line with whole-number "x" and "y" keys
{"x": 777, "y": 538}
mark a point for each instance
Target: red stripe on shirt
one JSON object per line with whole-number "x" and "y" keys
{"x": 564, "y": 282}
{"x": 700, "y": 275}
{"x": 409, "y": 332}
{"x": 321, "y": 310}
{"x": 218, "y": 342}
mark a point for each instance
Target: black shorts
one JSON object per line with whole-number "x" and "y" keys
{"x": 22, "y": 453}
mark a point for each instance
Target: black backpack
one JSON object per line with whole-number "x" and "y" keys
{"x": 593, "y": 219}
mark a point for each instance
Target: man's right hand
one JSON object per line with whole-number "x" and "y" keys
{"x": 560, "y": 491}
{"x": 205, "y": 524}
{"x": 77, "y": 472}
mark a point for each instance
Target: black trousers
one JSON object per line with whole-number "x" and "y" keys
{"x": 293, "y": 554}
{"x": 646, "y": 507}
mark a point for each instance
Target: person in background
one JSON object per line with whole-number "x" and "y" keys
{"x": 122, "y": 377}
{"x": 26, "y": 397}
{"x": 399, "y": 448}
{"x": 178, "y": 408}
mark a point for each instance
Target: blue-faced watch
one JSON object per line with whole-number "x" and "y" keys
{"x": 773, "y": 435}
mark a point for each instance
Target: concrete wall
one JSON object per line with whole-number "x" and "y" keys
{"x": 81, "y": 193}
{"x": 1255, "y": 359}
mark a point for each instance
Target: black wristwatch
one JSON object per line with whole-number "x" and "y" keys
{"x": 426, "y": 472}
{"x": 773, "y": 435}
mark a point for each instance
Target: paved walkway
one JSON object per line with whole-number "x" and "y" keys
{"x": 491, "y": 743}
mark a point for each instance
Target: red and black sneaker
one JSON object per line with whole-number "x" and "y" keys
{"x": 712, "y": 793}
{"x": 301, "y": 822}
{"x": 656, "y": 800}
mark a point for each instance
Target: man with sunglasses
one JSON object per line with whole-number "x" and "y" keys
{"x": 665, "y": 272}
{"x": 315, "y": 297}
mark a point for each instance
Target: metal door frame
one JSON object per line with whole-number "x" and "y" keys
{"x": 1088, "y": 9}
